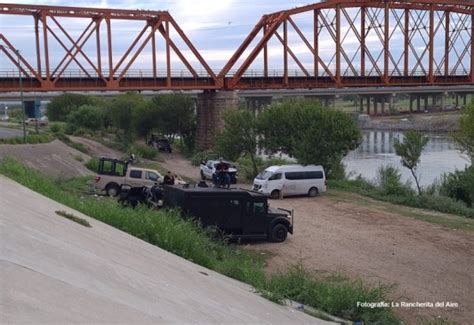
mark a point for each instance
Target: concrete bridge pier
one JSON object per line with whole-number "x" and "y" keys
{"x": 257, "y": 104}
{"x": 210, "y": 108}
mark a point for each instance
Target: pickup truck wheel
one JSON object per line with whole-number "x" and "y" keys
{"x": 203, "y": 177}
{"x": 112, "y": 190}
{"x": 275, "y": 194}
{"x": 313, "y": 191}
{"x": 279, "y": 233}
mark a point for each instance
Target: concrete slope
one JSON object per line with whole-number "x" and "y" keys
{"x": 54, "y": 159}
{"x": 54, "y": 270}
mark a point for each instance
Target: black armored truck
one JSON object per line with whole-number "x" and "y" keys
{"x": 238, "y": 213}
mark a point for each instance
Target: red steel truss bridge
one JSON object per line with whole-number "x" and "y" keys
{"x": 344, "y": 43}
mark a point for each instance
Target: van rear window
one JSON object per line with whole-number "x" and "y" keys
{"x": 304, "y": 175}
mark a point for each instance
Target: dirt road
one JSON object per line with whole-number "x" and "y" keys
{"x": 426, "y": 262}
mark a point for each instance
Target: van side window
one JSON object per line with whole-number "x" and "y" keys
{"x": 292, "y": 175}
{"x": 135, "y": 174}
{"x": 275, "y": 177}
{"x": 304, "y": 175}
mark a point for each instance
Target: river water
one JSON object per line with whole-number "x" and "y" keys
{"x": 439, "y": 156}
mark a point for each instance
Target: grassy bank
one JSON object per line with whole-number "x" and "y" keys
{"x": 30, "y": 139}
{"x": 430, "y": 202}
{"x": 167, "y": 230}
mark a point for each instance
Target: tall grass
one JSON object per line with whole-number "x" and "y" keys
{"x": 166, "y": 229}
{"x": 30, "y": 138}
{"x": 425, "y": 201}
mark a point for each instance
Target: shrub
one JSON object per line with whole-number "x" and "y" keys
{"x": 431, "y": 202}
{"x": 56, "y": 128}
{"x": 93, "y": 165}
{"x": 459, "y": 185}
{"x": 389, "y": 181}
{"x": 144, "y": 151}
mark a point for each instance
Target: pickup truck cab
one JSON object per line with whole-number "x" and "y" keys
{"x": 238, "y": 213}
{"x": 208, "y": 169}
{"x": 113, "y": 174}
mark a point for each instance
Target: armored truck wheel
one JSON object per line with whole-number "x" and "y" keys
{"x": 279, "y": 233}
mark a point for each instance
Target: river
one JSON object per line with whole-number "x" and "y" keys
{"x": 439, "y": 156}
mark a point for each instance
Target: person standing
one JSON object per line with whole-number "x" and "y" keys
{"x": 169, "y": 179}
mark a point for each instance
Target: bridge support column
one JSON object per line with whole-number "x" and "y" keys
{"x": 375, "y": 106}
{"x": 391, "y": 106}
{"x": 457, "y": 100}
{"x": 368, "y": 105}
{"x": 426, "y": 103}
{"x": 411, "y": 104}
{"x": 418, "y": 103}
{"x": 443, "y": 101}
{"x": 210, "y": 107}
{"x": 384, "y": 101}
{"x": 464, "y": 99}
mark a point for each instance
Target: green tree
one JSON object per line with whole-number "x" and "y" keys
{"x": 465, "y": 136}
{"x": 175, "y": 114}
{"x": 121, "y": 110}
{"x": 312, "y": 134}
{"x": 145, "y": 119}
{"x": 86, "y": 116}
{"x": 410, "y": 152}
{"x": 60, "y": 107}
{"x": 239, "y": 136}
{"x": 459, "y": 185}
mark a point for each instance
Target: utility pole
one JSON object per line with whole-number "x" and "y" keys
{"x": 17, "y": 52}
{"x": 20, "y": 80}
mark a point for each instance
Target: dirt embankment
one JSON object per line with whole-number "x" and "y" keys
{"x": 429, "y": 122}
{"x": 96, "y": 149}
{"x": 54, "y": 159}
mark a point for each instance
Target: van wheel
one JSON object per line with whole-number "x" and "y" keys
{"x": 275, "y": 194}
{"x": 279, "y": 233}
{"x": 313, "y": 191}
{"x": 112, "y": 190}
{"x": 203, "y": 177}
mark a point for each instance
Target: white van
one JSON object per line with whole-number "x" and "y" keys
{"x": 291, "y": 180}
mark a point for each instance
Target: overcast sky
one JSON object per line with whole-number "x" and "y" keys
{"x": 216, "y": 28}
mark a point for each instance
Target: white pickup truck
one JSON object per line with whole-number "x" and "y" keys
{"x": 112, "y": 174}
{"x": 208, "y": 169}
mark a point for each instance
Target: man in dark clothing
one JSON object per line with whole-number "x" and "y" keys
{"x": 222, "y": 173}
{"x": 169, "y": 179}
